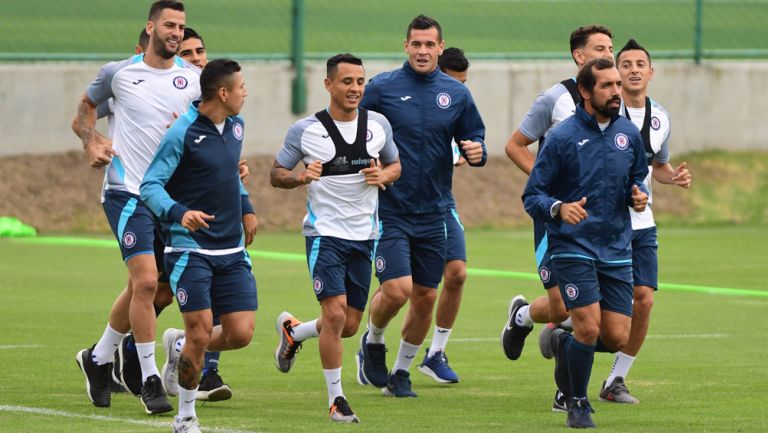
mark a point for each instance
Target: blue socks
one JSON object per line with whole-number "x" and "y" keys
{"x": 580, "y": 358}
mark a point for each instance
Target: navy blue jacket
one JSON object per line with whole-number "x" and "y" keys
{"x": 426, "y": 111}
{"x": 578, "y": 160}
{"x": 196, "y": 168}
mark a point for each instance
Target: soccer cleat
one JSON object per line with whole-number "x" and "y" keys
{"x": 562, "y": 377}
{"x": 130, "y": 367}
{"x": 285, "y": 354}
{"x": 545, "y": 340}
{"x": 436, "y": 367}
{"x": 580, "y": 414}
{"x": 341, "y": 412}
{"x": 114, "y": 383}
{"x": 372, "y": 362}
{"x": 360, "y": 375}
{"x": 512, "y": 335}
{"x": 97, "y": 378}
{"x": 170, "y": 371}
{"x": 188, "y": 424}
{"x": 153, "y": 396}
{"x": 559, "y": 402}
{"x": 617, "y": 392}
{"x": 213, "y": 388}
{"x": 399, "y": 385}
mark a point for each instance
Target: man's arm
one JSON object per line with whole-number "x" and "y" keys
{"x": 98, "y": 149}
{"x": 282, "y": 177}
{"x": 160, "y": 170}
{"x": 680, "y": 176}
{"x": 470, "y": 134}
{"x": 517, "y": 151}
{"x": 637, "y": 193}
{"x": 537, "y": 200}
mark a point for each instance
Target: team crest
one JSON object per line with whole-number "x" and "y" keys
{"x": 181, "y": 296}
{"x": 317, "y": 285}
{"x": 368, "y": 135}
{"x": 544, "y": 274}
{"x": 237, "y": 131}
{"x": 443, "y": 100}
{"x": 621, "y": 141}
{"x": 180, "y": 82}
{"x": 129, "y": 240}
{"x": 655, "y": 123}
{"x": 571, "y": 291}
{"x": 380, "y": 264}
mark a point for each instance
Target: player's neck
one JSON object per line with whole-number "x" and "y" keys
{"x": 215, "y": 112}
{"x": 636, "y": 100}
{"x": 341, "y": 115}
{"x": 155, "y": 61}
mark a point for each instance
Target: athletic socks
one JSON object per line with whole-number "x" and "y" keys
{"x": 439, "y": 340}
{"x": 375, "y": 334}
{"x": 305, "y": 331}
{"x": 105, "y": 348}
{"x": 211, "y": 361}
{"x": 523, "y": 316}
{"x": 187, "y": 402}
{"x": 621, "y": 365}
{"x": 147, "y": 360}
{"x": 580, "y": 358}
{"x": 333, "y": 384}
{"x": 405, "y": 355}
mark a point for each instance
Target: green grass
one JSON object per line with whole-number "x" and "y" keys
{"x": 702, "y": 368}
{"x": 479, "y": 26}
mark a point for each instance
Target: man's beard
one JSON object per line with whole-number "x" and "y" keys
{"x": 158, "y": 46}
{"x": 607, "y": 110}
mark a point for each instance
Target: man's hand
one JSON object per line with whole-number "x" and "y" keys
{"x": 194, "y": 220}
{"x": 473, "y": 150}
{"x": 243, "y": 170}
{"x": 250, "y": 226}
{"x": 573, "y": 213}
{"x": 175, "y": 116}
{"x": 681, "y": 176}
{"x": 639, "y": 199}
{"x": 373, "y": 175}
{"x": 99, "y": 152}
{"x": 313, "y": 172}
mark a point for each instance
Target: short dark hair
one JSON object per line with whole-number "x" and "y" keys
{"x": 190, "y": 33}
{"x": 217, "y": 74}
{"x": 423, "y": 22}
{"x": 158, "y": 6}
{"x": 586, "y": 77}
{"x": 453, "y": 58}
{"x": 144, "y": 39}
{"x": 580, "y": 36}
{"x": 333, "y": 63}
{"x": 633, "y": 45}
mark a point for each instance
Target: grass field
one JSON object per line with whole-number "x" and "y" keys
{"x": 478, "y": 26}
{"x": 702, "y": 368}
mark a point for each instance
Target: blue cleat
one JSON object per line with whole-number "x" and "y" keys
{"x": 436, "y": 367}
{"x": 580, "y": 414}
{"x": 399, "y": 385}
{"x": 372, "y": 363}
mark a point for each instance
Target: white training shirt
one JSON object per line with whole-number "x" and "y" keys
{"x": 342, "y": 206}
{"x": 145, "y": 99}
{"x": 550, "y": 108}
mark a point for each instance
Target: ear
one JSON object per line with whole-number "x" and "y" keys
{"x": 578, "y": 56}
{"x": 222, "y": 93}
{"x": 650, "y": 75}
{"x": 327, "y": 82}
{"x": 585, "y": 95}
{"x": 405, "y": 45}
{"x": 149, "y": 27}
{"x": 440, "y": 48}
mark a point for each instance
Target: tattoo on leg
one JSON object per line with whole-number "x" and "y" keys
{"x": 189, "y": 376}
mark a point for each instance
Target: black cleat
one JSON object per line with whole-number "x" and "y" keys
{"x": 97, "y": 378}
{"x": 512, "y": 335}
{"x": 130, "y": 368}
{"x": 153, "y": 396}
{"x": 213, "y": 388}
{"x": 580, "y": 414}
{"x": 559, "y": 402}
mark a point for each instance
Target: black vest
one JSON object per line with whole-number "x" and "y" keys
{"x": 573, "y": 89}
{"x": 645, "y": 131}
{"x": 349, "y": 158}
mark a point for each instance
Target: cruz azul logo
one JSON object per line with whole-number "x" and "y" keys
{"x": 443, "y": 100}
{"x": 571, "y": 291}
{"x": 181, "y": 296}
{"x": 237, "y": 131}
{"x": 129, "y": 240}
{"x": 180, "y": 82}
{"x": 621, "y": 141}
{"x": 544, "y": 274}
{"x": 655, "y": 123}
{"x": 380, "y": 263}
{"x": 317, "y": 284}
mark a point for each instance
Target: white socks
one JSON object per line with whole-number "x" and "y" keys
{"x": 147, "y": 360}
{"x": 439, "y": 340}
{"x": 333, "y": 384}
{"x": 405, "y": 356}
{"x": 105, "y": 348}
{"x": 375, "y": 334}
{"x": 523, "y": 316}
{"x": 621, "y": 366}
{"x": 187, "y": 402}
{"x": 305, "y": 331}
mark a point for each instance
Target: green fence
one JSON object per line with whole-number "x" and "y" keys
{"x": 486, "y": 29}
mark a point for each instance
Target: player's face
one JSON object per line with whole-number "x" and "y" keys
{"x": 423, "y": 48}
{"x": 346, "y": 86}
{"x": 193, "y": 51}
{"x": 605, "y": 97}
{"x": 461, "y": 76}
{"x": 166, "y": 33}
{"x": 598, "y": 45}
{"x": 236, "y": 95}
{"x": 635, "y": 70}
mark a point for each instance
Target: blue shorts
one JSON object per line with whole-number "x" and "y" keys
{"x": 339, "y": 267}
{"x": 135, "y": 227}
{"x": 543, "y": 262}
{"x": 412, "y": 245}
{"x": 645, "y": 258}
{"x": 585, "y": 282}
{"x": 456, "y": 247}
{"x": 224, "y": 284}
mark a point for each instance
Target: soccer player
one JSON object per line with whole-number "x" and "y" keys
{"x": 192, "y": 48}
{"x": 435, "y": 364}
{"x": 193, "y": 186}
{"x": 146, "y": 89}
{"x": 636, "y": 71}
{"x": 588, "y": 224}
{"x": 348, "y": 154}
{"x": 427, "y": 109}
{"x": 550, "y": 108}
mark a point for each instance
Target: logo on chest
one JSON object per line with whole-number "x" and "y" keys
{"x": 368, "y": 135}
{"x": 621, "y": 141}
{"x": 180, "y": 82}
{"x": 237, "y": 131}
{"x": 443, "y": 100}
{"x": 655, "y": 123}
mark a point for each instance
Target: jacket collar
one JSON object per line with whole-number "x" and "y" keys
{"x": 589, "y": 120}
{"x": 412, "y": 73}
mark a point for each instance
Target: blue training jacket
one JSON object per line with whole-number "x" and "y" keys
{"x": 578, "y": 160}
{"x": 426, "y": 111}
{"x": 196, "y": 168}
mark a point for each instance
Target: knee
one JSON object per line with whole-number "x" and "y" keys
{"x": 396, "y": 295}
{"x": 424, "y": 301}
{"x": 163, "y": 296}
{"x": 643, "y": 302}
{"x": 351, "y": 325}
{"x": 557, "y": 311}
{"x": 240, "y": 337}
{"x": 197, "y": 338}
{"x": 615, "y": 341}
{"x": 144, "y": 284}
{"x": 334, "y": 318}
{"x": 455, "y": 276}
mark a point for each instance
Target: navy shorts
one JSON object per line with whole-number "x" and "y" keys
{"x": 645, "y": 258}
{"x": 224, "y": 284}
{"x": 585, "y": 282}
{"x": 135, "y": 227}
{"x": 340, "y": 266}
{"x": 412, "y": 245}
{"x": 456, "y": 247}
{"x": 543, "y": 262}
